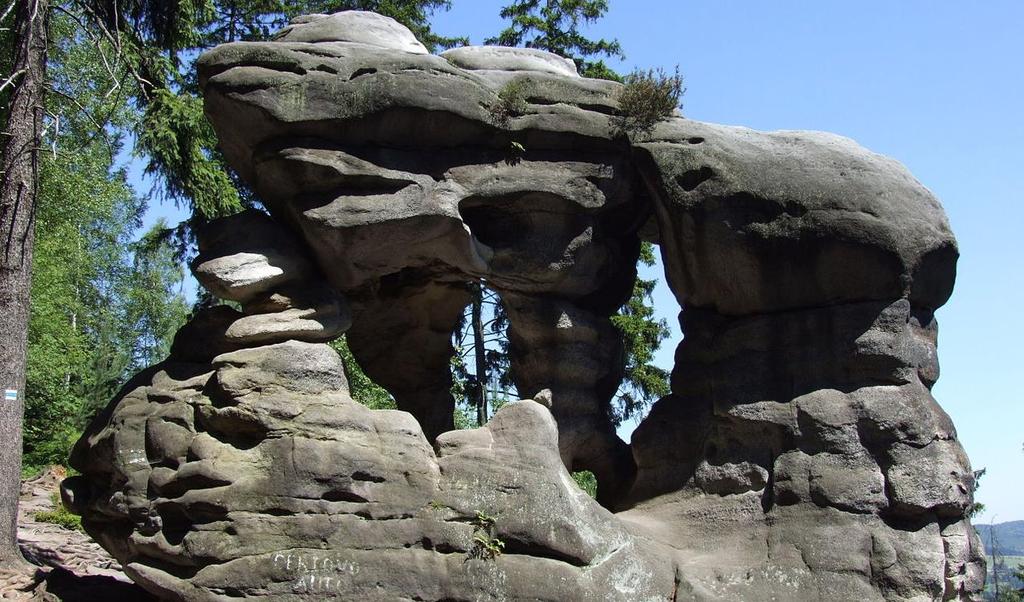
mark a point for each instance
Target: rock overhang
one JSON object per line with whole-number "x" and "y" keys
{"x": 796, "y": 457}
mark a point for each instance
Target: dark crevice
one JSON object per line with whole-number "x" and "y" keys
{"x": 690, "y": 180}
{"x": 174, "y": 523}
{"x": 362, "y": 72}
{"x": 360, "y": 475}
{"x": 441, "y": 548}
{"x": 325, "y": 69}
{"x": 339, "y": 495}
{"x": 171, "y": 463}
{"x": 277, "y": 511}
{"x": 179, "y": 486}
{"x": 595, "y": 108}
{"x": 536, "y": 550}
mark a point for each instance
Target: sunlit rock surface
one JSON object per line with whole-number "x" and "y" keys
{"x": 800, "y": 455}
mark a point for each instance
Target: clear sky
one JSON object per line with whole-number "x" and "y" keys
{"x": 939, "y": 85}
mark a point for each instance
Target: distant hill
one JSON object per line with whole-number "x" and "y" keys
{"x": 1009, "y": 535}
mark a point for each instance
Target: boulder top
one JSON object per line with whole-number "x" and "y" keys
{"x": 503, "y": 58}
{"x": 355, "y": 26}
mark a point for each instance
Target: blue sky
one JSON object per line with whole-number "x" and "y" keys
{"x": 938, "y": 85}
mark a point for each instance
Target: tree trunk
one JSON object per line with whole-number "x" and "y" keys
{"x": 479, "y": 352}
{"x": 19, "y": 162}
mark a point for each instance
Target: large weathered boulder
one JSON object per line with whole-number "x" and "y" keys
{"x": 257, "y": 476}
{"x": 353, "y": 26}
{"x": 760, "y": 222}
{"x": 381, "y": 217}
{"x": 799, "y": 456}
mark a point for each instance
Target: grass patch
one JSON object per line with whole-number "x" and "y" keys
{"x": 60, "y": 516}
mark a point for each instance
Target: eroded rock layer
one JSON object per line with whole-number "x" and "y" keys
{"x": 800, "y": 455}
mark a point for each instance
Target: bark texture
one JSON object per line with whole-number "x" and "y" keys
{"x": 18, "y": 186}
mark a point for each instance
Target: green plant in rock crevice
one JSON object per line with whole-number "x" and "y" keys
{"x": 511, "y": 103}
{"x": 486, "y": 543}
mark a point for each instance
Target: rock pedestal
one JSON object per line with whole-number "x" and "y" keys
{"x": 799, "y": 456}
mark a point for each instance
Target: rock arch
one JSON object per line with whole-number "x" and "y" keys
{"x": 800, "y": 454}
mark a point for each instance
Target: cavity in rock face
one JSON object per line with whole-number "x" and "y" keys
{"x": 800, "y": 455}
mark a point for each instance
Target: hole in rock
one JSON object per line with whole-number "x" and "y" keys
{"x": 360, "y": 475}
{"x": 338, "y": 495}
{"x": 690, "y": 180}
{"x": 175, "y": 524}
{"x": 363, "y": 71}
{"x": 452, "y": 353}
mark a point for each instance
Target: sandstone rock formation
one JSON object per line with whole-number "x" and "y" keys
{"x": 800, "y": 455}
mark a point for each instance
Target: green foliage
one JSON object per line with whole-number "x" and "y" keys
{"x": 976, "y": 508}
{"x": 6, "y": 61}
{"x": 486, "y": 546}
{"x": 642, "y": 336}
{"x": 153, "y": 308}
{"x": 484, "y": 520}
{"x": 486, "y": 543}
{"x": 647, "y": 98}
{"x": 497, "y": 378}
{"x": 511, "y": 103}
{"x": 362, "y": 389}
{"x": 179, "y": 140}
{"x": 554, "y": 26}
{"x": 60, "y": 515}
{"x": 100, "y": 306}
{"x": 586, "y": 481}
{"x": 463, "y": 419}
{"x": 1011, "y": 578}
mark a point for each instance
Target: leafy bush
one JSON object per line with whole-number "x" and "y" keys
{"x": 511, "y": 102}
{"x": 647, "y": 98}
{"x": 586, "y": 481}
{"x": 361, "y": 387}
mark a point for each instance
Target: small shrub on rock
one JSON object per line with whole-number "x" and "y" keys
{"x": 511, "y": 103}
{"x": 648, "y": 97}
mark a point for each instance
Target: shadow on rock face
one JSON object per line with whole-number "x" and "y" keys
{"x": 61, "y": 585}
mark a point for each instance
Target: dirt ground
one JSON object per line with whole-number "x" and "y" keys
{"x": 66, "y": 565}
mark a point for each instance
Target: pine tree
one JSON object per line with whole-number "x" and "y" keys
{"x": 642, "y": 335}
